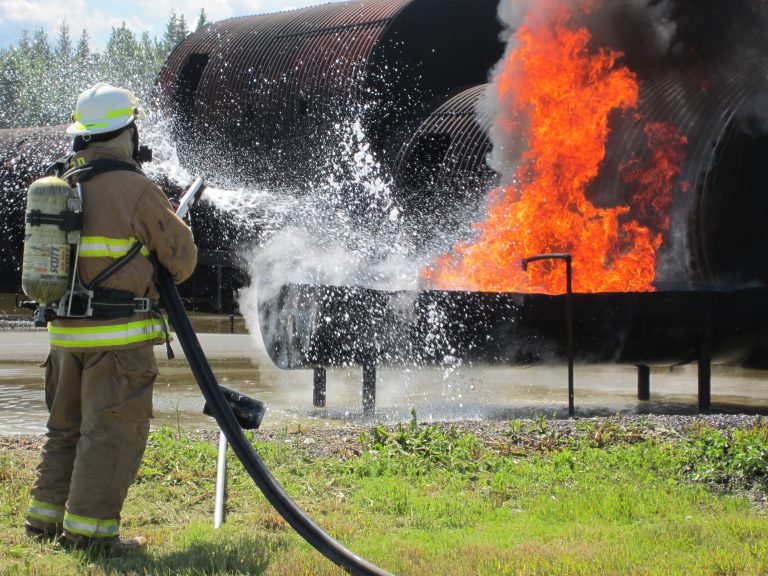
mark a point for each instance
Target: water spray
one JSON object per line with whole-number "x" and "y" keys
{"x": 234, "y": 412}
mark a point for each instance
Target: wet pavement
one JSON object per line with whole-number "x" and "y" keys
{"x": 458, "y": 393}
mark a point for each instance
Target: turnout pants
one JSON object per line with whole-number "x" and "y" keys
{"x": 100, "y": 403}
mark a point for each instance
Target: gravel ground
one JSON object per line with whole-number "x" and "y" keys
{"x": 502, "y": 436}
{"x": 345, "y": 442}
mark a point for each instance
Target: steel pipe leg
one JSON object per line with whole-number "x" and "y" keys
{"x": 643, "y": 383}
{"x": 705, "y": 378}
{"x": 369, "y": 390}
{"x": 221, "y": 482}
{"x": 318, "y": 386}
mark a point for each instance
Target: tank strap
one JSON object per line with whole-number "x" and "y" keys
{"x": 90, "y": 169}
{"x": 114, "y": 266}
{"x": 59, "y": 166}
{"x": 68, "y": 220}
{"x": 84, "y": 173}
{"x": 110, "y": 303}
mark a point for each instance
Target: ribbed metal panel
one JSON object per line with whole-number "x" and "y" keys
{"x": 718, "y": 225}
{"x": 441, "y": 175}
{"x": 465, "y": 130}
{"x": 272, "y": 80}
{"x": 269, "y": 89}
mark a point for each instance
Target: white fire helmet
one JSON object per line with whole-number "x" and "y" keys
{"x": 104, "y": 108}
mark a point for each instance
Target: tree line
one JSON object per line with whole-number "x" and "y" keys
{"x": 40, "y": 80}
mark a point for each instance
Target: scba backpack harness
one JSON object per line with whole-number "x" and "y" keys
{"x": 53, "y": 223}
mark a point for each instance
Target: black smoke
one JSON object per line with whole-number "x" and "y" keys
{"x": 682, "y": 33}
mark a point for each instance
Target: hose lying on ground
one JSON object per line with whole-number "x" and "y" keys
{"x": 225, "y": 417}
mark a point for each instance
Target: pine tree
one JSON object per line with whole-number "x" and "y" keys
{"x": 82, "y": 69}
{"x": 40, "y": 46}
{"x": 119, "y": 59}
{"x": 9, "y": 88}
{"x": 182, "y": 31}
{"x": 63, "y": 46}
{"x": 24, "y": 42}
{"x": 39, "y": 83}
{"x": 35, "y": 90}
{"x": 83, "y": 49}
{"x": 202, "y": 20}
{"x": 170, "y": 35}
{"x": 60, "y": 74}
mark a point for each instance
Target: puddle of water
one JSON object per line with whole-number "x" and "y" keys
{"x": 465, "y": 393}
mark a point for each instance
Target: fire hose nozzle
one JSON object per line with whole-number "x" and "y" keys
{"x": 248, "y": 411}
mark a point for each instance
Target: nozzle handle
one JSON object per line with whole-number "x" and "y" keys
{"x": 248, "y": 411}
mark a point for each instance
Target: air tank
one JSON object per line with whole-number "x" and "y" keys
{"x": 24, "y": 155}
{"x": 45, "y": 267}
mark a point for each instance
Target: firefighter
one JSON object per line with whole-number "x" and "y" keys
{"x": 101, "y": 369}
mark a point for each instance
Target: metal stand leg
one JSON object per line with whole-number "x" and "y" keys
{"x": 319, "y": 386}
{"x": 221, "y": 482}
{"x": 643, "y": 383}
{"x": 369, "y": 390}
{"x": 705, "y": 377}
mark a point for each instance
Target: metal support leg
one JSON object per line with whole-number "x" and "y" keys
{"x": 705, "y": 377}
{"x": 643, "y": 383}
{"x": 221, "y": 482}
{"x": 318, "y": 387}
{"x": 369, "y": 390}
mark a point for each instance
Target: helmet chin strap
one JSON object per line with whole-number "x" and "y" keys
{"x": 135, "y": 142}
{"x": 141, "y": 154}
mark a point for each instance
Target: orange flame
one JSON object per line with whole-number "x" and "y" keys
{"x": 562, "y": 95}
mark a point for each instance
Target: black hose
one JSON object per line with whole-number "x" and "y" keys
{"x": 222, "y": 412}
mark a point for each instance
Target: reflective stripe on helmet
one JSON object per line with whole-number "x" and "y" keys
{"x": 101, "y": 246}
{"x": 45, "y": 511}
{"x": 90, "y": 527}
{"x": 106, "y": 335}
{"x": 120, "y": 112}
{"x": 109, "y": 115}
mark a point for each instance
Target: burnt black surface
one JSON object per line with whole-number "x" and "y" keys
{"x": 306, "y": 325}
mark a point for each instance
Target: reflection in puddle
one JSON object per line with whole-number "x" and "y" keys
{"x": 464, "y": 393}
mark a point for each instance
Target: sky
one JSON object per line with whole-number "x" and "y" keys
{"x": 98, "y": 17}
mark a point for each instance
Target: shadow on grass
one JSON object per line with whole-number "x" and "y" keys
{"x": 239, "y": 555}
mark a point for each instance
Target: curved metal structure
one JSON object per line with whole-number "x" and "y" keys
{"x": 440, "y": 171}
{"x": 265, "y": 94}
{"x": 718, "y": 226}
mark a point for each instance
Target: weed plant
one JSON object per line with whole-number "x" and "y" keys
{"x": 608, "y": 496}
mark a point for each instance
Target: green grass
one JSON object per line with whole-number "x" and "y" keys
{"x": 611, "y": 498}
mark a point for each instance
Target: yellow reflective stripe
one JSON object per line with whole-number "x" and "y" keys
{"x": 45, "y": 511}
{"x": 92, "y": 527}
{"x": 118, "y": 113}
{"x": 110, "y": 335}
{"x": 109, "y": 115}
{"x": 102, "y": 246}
